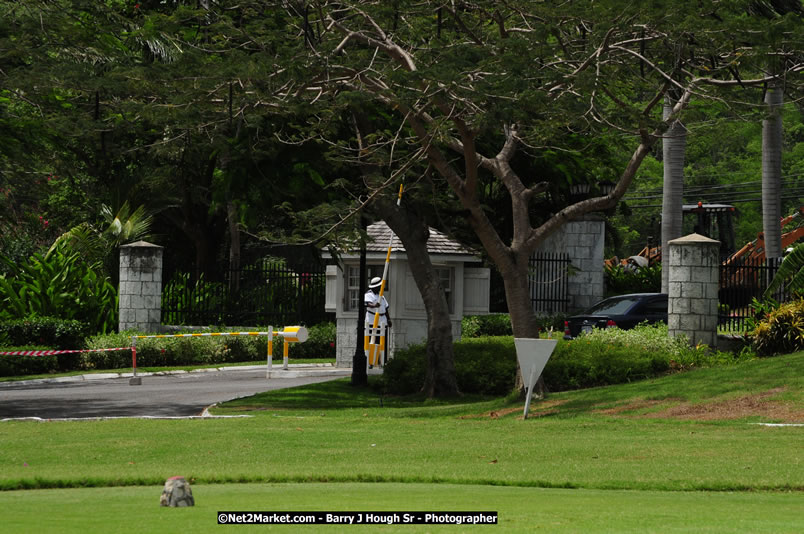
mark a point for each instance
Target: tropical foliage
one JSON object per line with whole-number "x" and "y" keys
{"x": 59, "y": 284}
{"x": 790, "y": 273}
{"x": 781, "y": 331}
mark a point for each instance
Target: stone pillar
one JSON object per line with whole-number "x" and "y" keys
{"x": 582, "y": 240}
{"x": 693, "y": 278}
{"x": 140, "y": 287}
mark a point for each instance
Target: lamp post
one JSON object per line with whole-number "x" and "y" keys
{"x": 359, "y": 375}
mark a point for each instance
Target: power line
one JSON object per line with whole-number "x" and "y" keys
{"x": 727, "y": 201}
{"x": 755, "y": 188}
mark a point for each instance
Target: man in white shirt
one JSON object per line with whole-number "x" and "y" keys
{"x": 375, "y": 304}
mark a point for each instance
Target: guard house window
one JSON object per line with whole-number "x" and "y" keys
{"x": 446, "y": 276}
{"x": 353, "y": 284}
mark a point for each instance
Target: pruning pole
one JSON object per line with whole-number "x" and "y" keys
{"x": 380, "y": 339}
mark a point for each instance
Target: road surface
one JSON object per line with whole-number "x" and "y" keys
{"x": 174, "y": 395}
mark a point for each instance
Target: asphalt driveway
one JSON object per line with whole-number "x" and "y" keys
{"x": 173, "y": 395}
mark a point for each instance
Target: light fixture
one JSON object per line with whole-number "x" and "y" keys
{"x": 580, "y": 189}
{"x": 606, "y": 187}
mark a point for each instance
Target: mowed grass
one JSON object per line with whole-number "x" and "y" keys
{"x": 136, "y": 509}
{"x": 606, "y": 459}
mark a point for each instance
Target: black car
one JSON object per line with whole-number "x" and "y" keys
{"x": 624, "y": 311}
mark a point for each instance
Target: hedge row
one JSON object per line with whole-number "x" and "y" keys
{"x": 43, "y": 331}
{"x": 487, "y": 366}
{"x": 499, "y": 324}
{"x": 150, "y": 352}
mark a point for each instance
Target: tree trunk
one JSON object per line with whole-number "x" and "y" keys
{"x": 772, "y": 172}
{"x": 674, "y": 145}
{"x": 440, "y": 379}
{"x": 520, "y": 308}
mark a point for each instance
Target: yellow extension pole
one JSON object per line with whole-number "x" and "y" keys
{"x": 373, "y": 354}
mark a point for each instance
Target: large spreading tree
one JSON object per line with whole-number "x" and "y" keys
{"x": 513, "y": 77}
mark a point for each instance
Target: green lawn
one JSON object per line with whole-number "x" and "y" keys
{"x": 136, "y": 509}
{"x": 680, "y": 453}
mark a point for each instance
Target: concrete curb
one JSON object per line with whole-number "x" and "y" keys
{"x": 295, "y": 370}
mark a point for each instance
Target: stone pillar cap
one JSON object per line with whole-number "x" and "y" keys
{"x": 692, "y": 239}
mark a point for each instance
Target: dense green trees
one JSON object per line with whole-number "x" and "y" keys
{"x": 497, "y": 80}
{"x": 226, "y": 116}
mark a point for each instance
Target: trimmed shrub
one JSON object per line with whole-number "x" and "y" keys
{"x": 62, "y": 334}
{"x": 496, "y": 324}
{"x": 173, "y": 351}
{"x": 781, "y": 331}
{"x": 178, "y": 351}
{"x": 488, "y": 365}
{"x": 48, "y": 332}
{"x": 499, "y": 324}
{"x": 485, "y": 366}
{"x": 27, "y": 365}
{"x": 320, "y": 343}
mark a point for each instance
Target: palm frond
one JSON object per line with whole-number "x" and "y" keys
{"x": 790, "y": 269}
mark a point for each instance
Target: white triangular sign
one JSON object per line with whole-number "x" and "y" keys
{"x": 532, "y": 355}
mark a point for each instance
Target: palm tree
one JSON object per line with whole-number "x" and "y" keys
{"x": 772, "y": 133}
{"x": 96, "y": 245}
{"x": 674, "y": 145}
{"x": 791, "y": 272}
{"x": 772, "y": 171}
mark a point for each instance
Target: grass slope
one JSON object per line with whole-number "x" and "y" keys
{"x": 330, "y": 432}
{"x": 615, "y": 459}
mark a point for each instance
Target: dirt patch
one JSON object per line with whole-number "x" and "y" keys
{"x": 747, "y": 406}
{"x": 640, "y": 405}
{"x": 545, "y": 408}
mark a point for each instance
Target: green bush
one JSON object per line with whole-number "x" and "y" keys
{"x": 488, "y": 365}
{"x": 59, "y": 284}
{"x": 319, "y": 344}
{"x": 499, "y": 324}
{"x": 621, "y": 281}
{"x": 781, "y": 331}
{"x": 173, "y": 351}
{"x": 47, "y": 332}
{"x": 485, "y": 366}
{"x": 496, "y": 324}
{"x": 51, "y": 332}
{"x": 27, "y": 365}
{"x": 202, "y": 350}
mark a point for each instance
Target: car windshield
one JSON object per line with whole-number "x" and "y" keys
{"x": 612, "y": 306}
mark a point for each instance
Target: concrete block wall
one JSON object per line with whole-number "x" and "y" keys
{"x": 582, "y": 240}
{"x": 140, "y": 291}
{"x": 693, "y": 280}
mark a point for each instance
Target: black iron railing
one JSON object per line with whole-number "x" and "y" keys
{"x": 741, "y": 281}
{"x": 548, "y": 275}
{"x": 271, "y": 294}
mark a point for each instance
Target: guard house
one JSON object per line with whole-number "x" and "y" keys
{"x": 465, "y": 282}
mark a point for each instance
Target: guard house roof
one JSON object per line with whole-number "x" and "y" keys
{"x": 438, "y": 245}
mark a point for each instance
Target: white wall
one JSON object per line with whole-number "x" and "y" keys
{"x": 406, "y": 308}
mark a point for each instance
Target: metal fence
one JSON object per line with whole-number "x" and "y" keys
{"x": 548, "y": 274}
{"x": 267, "y": 294}
{"x": 740, "y": 283}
